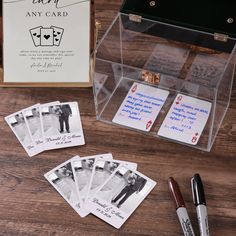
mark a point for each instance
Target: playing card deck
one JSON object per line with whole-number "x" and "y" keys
{"x": 47, "y": 126}
{"x": 43, "y": 36}
{"x": 109, "y": 189}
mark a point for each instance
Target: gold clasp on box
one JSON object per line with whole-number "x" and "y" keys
{"x": 135, "y": 18}
{"x": 221, "y": 37}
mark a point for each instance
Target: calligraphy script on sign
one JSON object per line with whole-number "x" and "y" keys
{"x": 141, "y": 107}
{"x": 58, "y": 3}
{"x": 186, "y": 119}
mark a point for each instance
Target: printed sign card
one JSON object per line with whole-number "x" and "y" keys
{"x": 141, "y": 107}
{"x": 186, "y": 119}
{"x": 46, "y": 41}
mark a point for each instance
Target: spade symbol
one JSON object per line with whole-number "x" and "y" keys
{"x": 56, "y": 39}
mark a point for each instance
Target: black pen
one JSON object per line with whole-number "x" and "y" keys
{"x": 200, "y": 203}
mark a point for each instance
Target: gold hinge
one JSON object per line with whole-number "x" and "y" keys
{"x": 135, "y": 18}
{"x": 221, "y": 37}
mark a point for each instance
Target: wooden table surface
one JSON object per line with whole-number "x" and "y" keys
{"x": 30, "y": 206}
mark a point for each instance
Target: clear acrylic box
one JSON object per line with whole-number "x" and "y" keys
{"x": 190, "y": 62}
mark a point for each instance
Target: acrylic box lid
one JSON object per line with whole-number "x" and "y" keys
{"x": 208, "y": 16}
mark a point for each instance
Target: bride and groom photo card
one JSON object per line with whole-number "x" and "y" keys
{"x": 109, "y": 189}
{"x": 47, "y": 126}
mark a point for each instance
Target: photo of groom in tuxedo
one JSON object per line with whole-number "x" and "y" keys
{"x": 135, "y": 183}
{"x": 64, "y": 113}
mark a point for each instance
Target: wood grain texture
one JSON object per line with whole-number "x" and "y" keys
{"x": 29, "y": 206}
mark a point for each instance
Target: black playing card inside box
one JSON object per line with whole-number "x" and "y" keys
{"x": 164, "y": 74}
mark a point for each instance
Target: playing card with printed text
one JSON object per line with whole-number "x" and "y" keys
{"x": 120, "y": 195}
{"x": 102, "y": 170}
{"x": 61, "y": 125}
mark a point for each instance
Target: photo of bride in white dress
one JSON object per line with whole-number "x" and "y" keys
{"x": 18, "y": 124}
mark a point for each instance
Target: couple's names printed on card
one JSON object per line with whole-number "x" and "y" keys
{"x": 109, "y": 189}
{"x": 47, "y": 126}
{"x": 51, "y": 41}
{"x": 184, "y": 122}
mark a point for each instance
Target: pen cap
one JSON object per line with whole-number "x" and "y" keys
{"x": 175, "y": 193}
{"x": 198, "y": 190}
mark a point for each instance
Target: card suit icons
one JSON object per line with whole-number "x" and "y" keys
{"x": 195, "y": 137}
{"x": 134, "y": 88}
{"x": 43, "y": 36}
{"x": 47, "y": 36}
{"x": 149, "y": 124}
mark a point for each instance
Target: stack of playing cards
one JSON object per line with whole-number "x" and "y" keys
{"x": 107, "y": 188}
{"x": 49, "y": 36}
{"x": 47, "y": 126}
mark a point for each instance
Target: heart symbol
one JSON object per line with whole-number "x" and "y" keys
{"x": 149, "y": 124}
{"x": 34, "y": 34}
{"x": 47, "y": 36}
{"x": 55, "y": 35}
{"x": 56, "y": 39}
{"x": 58, "y": 32}
{"x": 134, "y": 88}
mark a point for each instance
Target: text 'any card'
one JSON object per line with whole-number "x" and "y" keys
{"x": 46, "y": 41}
